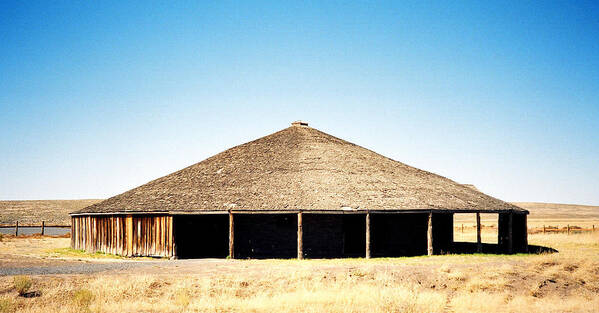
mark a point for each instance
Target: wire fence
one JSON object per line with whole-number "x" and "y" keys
{"x": 546, "y": 229}
{"x": 41, "y": 226}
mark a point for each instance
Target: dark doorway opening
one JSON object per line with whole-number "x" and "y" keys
{"x": 354, "y": 235}
{"x": 323, "y": 235}
{"x": 262, "y": 236}
{"x": 395, "y": 235}
{"x": 201, "y": 236}
{"x": 442, "y": 233}
{"x": 334, "y": 235}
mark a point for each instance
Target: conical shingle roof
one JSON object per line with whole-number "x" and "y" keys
{"x": 299, "y": 168}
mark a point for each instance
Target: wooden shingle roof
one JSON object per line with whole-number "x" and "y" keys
{"x": 299, "y": 168}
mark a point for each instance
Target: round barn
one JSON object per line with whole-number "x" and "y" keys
{"x": 297, "y": 193}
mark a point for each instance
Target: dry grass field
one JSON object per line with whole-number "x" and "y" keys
{"x": 35, "y": 211}
{"x": 567, "y": 281}
{"x": 541, "y": 214}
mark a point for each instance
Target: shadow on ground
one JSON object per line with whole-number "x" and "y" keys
{"x": 470, "y": 247}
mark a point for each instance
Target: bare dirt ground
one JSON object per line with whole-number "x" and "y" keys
{"x": 43, "y": 256}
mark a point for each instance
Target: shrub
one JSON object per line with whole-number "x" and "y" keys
{"x": 22, "y": 284}
{"x": 6, "y": 306}
{"x": 83, "y": 298}
{"x": 182, "y": 297}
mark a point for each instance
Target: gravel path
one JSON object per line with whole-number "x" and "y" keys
{"x": 72, "y": 268}
{"x": 20, "y": 265}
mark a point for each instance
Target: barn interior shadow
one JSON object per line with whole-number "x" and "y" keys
{"x": 489, "y": 248}
{"x": 532, "y": 249}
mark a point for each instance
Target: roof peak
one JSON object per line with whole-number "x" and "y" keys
{"x": 299, "y": 123}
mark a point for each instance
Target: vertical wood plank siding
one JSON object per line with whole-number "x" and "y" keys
{"x": 124, "y": 235}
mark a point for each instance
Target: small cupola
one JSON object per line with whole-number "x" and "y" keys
{"x": 300, "y": 123}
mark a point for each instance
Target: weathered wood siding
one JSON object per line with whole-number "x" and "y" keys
{"x": 127, "y": 235}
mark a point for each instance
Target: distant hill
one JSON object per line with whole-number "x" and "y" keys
{"x": 540, "y": 210}
{"x": 35, "y": 211}
{"x": 57, "y": 211}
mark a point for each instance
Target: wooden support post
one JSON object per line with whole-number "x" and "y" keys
{"x": 525, "y": 233}
{"x": 593, "y": 227}
{"x": 300, "y": 237}
{"x": 17, "y": 229}
{"x": 479, "y": 244}
{"x": 231, "y": 236}
{"x": 171, "y": 237}
{"x": 462, "y": 228}
{"x": 129, "y": 232}
{"x": 140, "y": 236}
{"x": 499, "y": 229}
{"x": 510, "y": 227}
{"x": 368, "y": 235}
{"x": 543, "y": 229}
{"x": 452, "y": 236}
{"x": 429, "y": 235}
{"x": 43, "y": 226}
{"x": 568, "y": 229}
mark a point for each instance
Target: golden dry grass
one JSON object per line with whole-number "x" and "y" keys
{"x": 548, "y": 214}
{"x": 564, "y": 282}
{"x": 32, "y": 246}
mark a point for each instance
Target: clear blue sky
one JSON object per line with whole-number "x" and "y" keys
{"x": 99, "y": 97}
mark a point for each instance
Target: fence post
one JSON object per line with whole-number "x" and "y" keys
{"x": 17, "y": 229}
{"x": 543, "y": 229}
{"x": 43, "y": 226}
{"x": 593, "y": 227}
{"x": 568, "y": 229}
{"x": 462, "y": 228}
